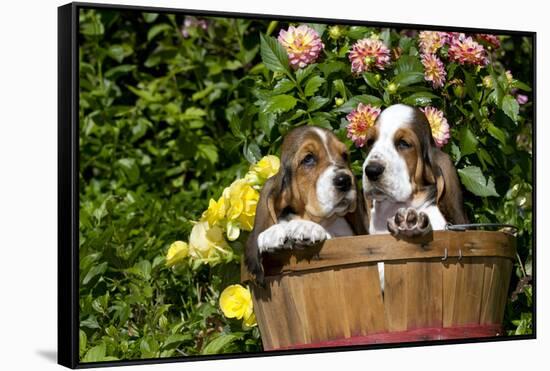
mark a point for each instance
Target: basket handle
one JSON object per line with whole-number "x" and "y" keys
{"x": 491, "y": 226}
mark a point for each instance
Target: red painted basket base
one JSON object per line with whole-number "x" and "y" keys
{"x": 421, "y": 334}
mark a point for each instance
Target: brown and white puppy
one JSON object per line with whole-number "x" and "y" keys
{"x": 312, "y": 198}
{"x": 411, "y": 186}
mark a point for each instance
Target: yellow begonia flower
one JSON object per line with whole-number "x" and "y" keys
{"x": 176, "y": 252}
{"x": 215, "y": 212}
{"x": 263, "y": 170}
{"x": 250, "y": 321}
{"x": 207, "y": 243}
{"x": 241, "y": 199}
{"x": 236, "y": 302}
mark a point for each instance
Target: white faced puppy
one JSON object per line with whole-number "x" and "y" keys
{"x": 313, "y": 197}
{"x": 411, "y": 185}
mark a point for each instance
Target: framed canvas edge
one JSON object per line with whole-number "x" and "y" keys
{"x": 68, "y": 196}
{"x": 67, "y": 223}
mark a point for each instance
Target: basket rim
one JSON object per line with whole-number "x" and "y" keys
{"x": 449, "y": 247}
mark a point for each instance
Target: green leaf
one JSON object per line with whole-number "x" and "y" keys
{"x": 331, "y": 67}
{"x": 319, "y": 28}
{"x": 90, "y": 322}
{"x": 266, "y": 121}
{"x": 354, "y": 101}
{"x": 510, "y": 106}
{"x": 95, "y": 271}
{"x": 468, "y": 141}
{"x": 130, "y": 168}
{"x": 313, "y": 85}
{"x": 320, "y": 120}
{"x": 217, "y": 345}
{"x": 157, "y": 29}
{"x": 119, "y": 52}
{"x": 283, "y": 86}
{"x": 422, "y": 98}
{"x": 280, "y": 103}
{"x": 470, "y": 84}
{"x": 273, "y": 54}
{"x": 340, "y": 88}
{"x": 455, "y": 151}
{"x": 82, "y": 340}
{"x": 191, "y": 113}
{"x": 385, "y": 37}
{"x": 451, "y": 68}
{"x": 115, "y": 72}
{"x": 357, "y": 32}
{"x": 475, "y": 182}
{"x": 497, "y": 133}
{"x": 150, "y": 17}
{"x": 208, "y": 151}
{"x": 140, "y": 128}
{"x": 316, "y": 102}
{"x": 173, "y": 341}
{"x": 203, "y": 93}
{"x": 252, "y": 152}
{"x": 371, "y": 80}
{"x": 144, "y": 267}
{"x": 95, "y": 354}
{"x": 408, "y": 63}
{"x": 303, "y": 73}
{"x": 521, "y": 85}
{"x": 92, "y": 28}
{"x": 235, "y": 126}
{"x": 408, "y": 78}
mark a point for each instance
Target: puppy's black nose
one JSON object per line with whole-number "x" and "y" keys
{"x": 342, "y": 182}
{"x": 374, "y": 170}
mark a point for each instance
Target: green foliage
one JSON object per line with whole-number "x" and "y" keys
{"x": 169, "y": 117}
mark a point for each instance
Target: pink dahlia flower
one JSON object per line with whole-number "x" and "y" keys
{"x": 491, "y": 40}
{"x": 465, "y": 50}
{"x": 367, "y": 53}
{"x": 360, "y": 121}
{"x": 192, "y": 22}
{"x": 450, "y": 36}
{"x": 438, "y": 124}
{"x": 431, "y": 41}
{"x": 522, "y": 99}
{"x": 303, "y": 45}
{"x": 434, "y": 71}
{"x": 509, "y": 76}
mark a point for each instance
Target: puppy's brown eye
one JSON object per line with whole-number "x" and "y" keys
{"x": 345, "y": 156}
{"x": 403, "y": 144}
{"x": 370, "y": 142}
{"x": 309, "y": 160}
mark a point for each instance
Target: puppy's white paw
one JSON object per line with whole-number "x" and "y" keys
{"x": 305, "y": 233}
{"x": 273, "y": 238}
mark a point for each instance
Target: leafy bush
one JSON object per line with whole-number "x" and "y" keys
{"x": 173, "y": 109}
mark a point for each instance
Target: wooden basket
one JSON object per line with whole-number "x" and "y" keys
{"x": 452, "y": 287}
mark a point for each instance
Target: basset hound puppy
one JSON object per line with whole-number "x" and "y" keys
{"x": 411, "y": 186}
{"x": 313, "y": 197}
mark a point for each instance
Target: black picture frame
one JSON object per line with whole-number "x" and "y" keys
{"x": 68, "y": 191}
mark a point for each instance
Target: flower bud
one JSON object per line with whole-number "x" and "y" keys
{"x": 338, "y": 101}
{"x": 488, "y": 82}
{"x": 176, "y": 253}
{"x": 391, "y": 88}
{"x": 335, "y": 32}
{"x": 459, "y": 91}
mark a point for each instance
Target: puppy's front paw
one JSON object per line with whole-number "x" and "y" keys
{"x": 303, "y": 233}
{"x": 409, "y": 223}
{"x": 273, "y": 238}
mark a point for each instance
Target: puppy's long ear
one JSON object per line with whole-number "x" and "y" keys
{"x": 359, "y": 219}
{"x": 449, "y": 194}
{"x": 274, "y": 198}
